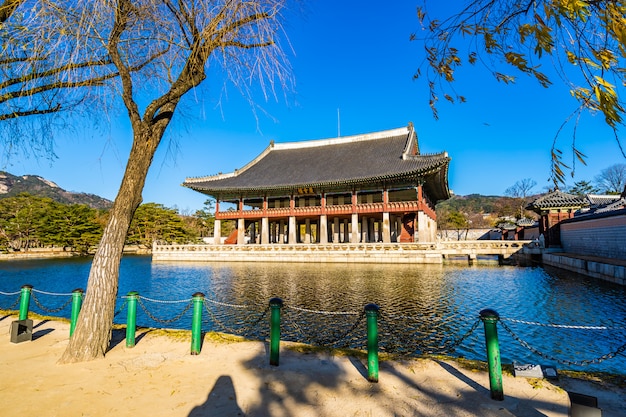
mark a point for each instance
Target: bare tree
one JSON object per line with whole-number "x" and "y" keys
{"x": 520, "y": 191}
{"x": 241, "y": 36}
{"x": 50, "y": 63}
{"x": 612, "y": 180}
{"x": 583, "y": 41}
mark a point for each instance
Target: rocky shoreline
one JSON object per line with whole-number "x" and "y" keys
{"x": 49, "y": 253}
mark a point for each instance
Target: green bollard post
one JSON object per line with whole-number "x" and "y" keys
{"x": 131, "y": 318}
{"x": 275, "y": 305}
{"x": 196, "y": 323}
{"x": 371, "y": 313}
{"x": 77, "y": 300}
{"x": 25, "y": 301}
{"x": 490, "y": 319}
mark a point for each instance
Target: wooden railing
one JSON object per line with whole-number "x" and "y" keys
{"x": 333, "y": 210}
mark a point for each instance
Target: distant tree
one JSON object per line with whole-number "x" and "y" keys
{"x": 480, "y": 220}
{"x": 583, "y": 188}
{"x": 154, "y": 222}
{"x": 20, "y": 220}
{"x": 28, "y": 221}
{"x": 520, "y": 191}
{"x": 583, "y": 41}
{"x": 505, "y": 207}
{"x": 71, "y": 225}
{"x": 612, "y": 180}
{"x": 205, "y": 218}
{"x": 473, "y": 203}
{"x": 453, "y": 220}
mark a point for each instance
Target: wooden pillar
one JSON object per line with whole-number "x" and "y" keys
{"x": 354, "y": 235}
{"x": 292, "y": 230}
{"x": 386, "y": 228}
{"x": 336, "y": 235}
{"x": 323, "y": 230}
{"x": 217, "y": 232}
{"x": 241, "y": 231}
{"x": 253, "y": 232}
{"x": 281, "y": 231}
{"x": 364, "y": 229}
{"x": 307, "y": 231}
{"x": 217, "y": 225}
{"x": 265, "y": 231}
{"x": 422, "y": 233}
{"x": 370, "y": 231}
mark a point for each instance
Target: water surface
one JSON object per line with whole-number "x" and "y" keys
{"x": 424, "y": 308}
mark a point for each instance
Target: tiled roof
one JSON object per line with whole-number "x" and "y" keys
{"x": 526, "y": 222}
{"x": 614, "y": 206}
{"x": 601, "y": 200}
{"x": 382, "y": 157}
{"x": 558, "y": 199}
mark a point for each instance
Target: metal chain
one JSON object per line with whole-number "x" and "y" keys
{"x": 12, "y": 306}
{"x": 247, "y": 328}
{"x": 423, "y": 340}
{"x": 162, "y": 301}
{"x": 328, "y": 313}
{"x": 219, "y": 303}
{"x": 50, "y": 293}
{"x": 50, "y": 310}
{"x": 419, "y": 319}
{"x": 319, "y": 341}
{"x": 562, "y": 326}
{"x": 351, "y": 330}
{"x": 121, "y": 307}
{"x": 165, "y": 321}
{"x": 452, "y": 345}
{"x": 586, "y": 362}
{"x": 299, "y": 330}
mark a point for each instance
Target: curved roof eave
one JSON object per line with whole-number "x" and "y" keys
{"x": 438, "y": 193}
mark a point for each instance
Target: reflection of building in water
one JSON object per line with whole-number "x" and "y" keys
{"x": 373, "y": 187}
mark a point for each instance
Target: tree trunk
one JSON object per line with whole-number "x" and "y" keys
{"x": 92, "y": 335}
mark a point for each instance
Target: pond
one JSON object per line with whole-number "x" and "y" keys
{"x": 567, "y": 318}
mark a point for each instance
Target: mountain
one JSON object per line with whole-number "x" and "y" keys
{"x": 12, "y": 185}
{"x": 473, "y": 203}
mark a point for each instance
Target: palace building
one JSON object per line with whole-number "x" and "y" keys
{"x": 367, "y": 188}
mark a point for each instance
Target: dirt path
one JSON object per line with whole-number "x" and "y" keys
{"x": 158, "y": 377}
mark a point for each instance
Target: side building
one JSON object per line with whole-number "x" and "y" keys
{"x": 367, "y": 188}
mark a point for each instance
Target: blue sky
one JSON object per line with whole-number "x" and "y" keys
{"x": 355, "y": 57}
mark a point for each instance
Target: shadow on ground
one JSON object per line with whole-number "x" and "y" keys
{"x": 304, "y": 384}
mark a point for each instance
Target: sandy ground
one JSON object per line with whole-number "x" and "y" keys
{"x": 158, "y": 377}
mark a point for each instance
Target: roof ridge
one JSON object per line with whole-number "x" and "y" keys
{"x": 342, "y": 139}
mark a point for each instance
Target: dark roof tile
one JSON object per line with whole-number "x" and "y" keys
{"x": 352, "y": 160}
{"x": 556, "y": 199}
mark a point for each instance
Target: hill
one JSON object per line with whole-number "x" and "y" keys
{"x": 12, "y": 185}
{"x": 473, "y": 203}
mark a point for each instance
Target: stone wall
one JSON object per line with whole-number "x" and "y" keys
{"x": 596, "y": 235}
{"x": 600, "y": 270}
{"x": 469, "y": 234}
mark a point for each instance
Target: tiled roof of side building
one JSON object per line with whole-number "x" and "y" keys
{"x": 600, "y": 199}
{"x": 357, "y": 159}
{"x": 556, "y": 199}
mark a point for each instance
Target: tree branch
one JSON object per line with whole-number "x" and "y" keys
{"x": 8, "y": 8}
